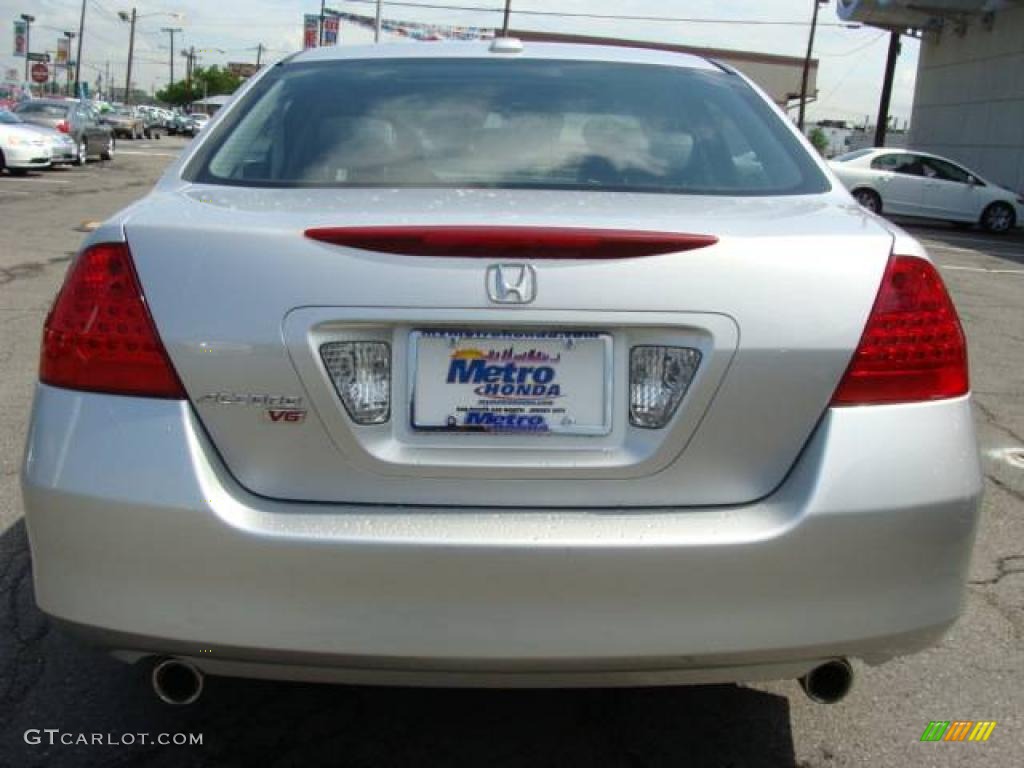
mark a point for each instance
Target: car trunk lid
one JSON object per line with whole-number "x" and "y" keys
{"x": 773, "y": 294}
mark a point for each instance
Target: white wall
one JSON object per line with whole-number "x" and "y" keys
{"x": 780, "y": 80}
{"x": 969, "y": 98}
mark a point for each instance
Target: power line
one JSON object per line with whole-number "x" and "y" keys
{"x": 213, "y": 21}
{"x": 858, "y": 49}
{"x": 607, "y": 16}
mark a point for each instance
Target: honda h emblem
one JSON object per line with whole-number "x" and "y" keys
{"x": 511, "y": 283}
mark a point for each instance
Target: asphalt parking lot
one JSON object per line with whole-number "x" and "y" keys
{"x": 51, "y": 681}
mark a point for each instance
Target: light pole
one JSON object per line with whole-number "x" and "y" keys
{"x": 52, "y": 85}
{"x": 125, "y": 16}
{"x": 131, "y": 49}
{"x": 67, "y": 64}
{"x": 807, "y": 63}
{"x": 171, "y": 31}
{"x": 78, "y": 56}
{"x": 882, "y": 124}
{"x": 508, "y": 13}
{"x": 189, "y": 55}
{"x": 376, "y": 23}
{"x": 28, "y": 38}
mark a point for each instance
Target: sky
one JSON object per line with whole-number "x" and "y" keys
{"x": 850, "y": 70}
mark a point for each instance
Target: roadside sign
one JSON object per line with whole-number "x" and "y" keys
{"x": 20, "y": 38}
{"x": 310, "y": 30}
{"x": 242, "y": 69}
{"x": 40, "y": 72}
{"x": 39, "y": 57}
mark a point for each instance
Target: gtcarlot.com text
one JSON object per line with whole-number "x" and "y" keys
{"x": 55, "y": 736}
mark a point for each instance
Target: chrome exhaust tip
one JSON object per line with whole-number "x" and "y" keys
{"x": 829, "y": 682}
{"x": 177, "y": 682}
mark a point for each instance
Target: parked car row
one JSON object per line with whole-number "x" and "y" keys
{"x": 73, "y": 130}
{"x": 27, "y": 145}
{"x": 39, "y": 133}
{"x": 171, "y": 122}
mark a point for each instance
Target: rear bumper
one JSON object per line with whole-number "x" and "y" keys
{"x": 142, "y": 541}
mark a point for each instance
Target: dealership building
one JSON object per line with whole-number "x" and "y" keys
{"x": 777, "y": 76}
{"x": 969, "y": 93}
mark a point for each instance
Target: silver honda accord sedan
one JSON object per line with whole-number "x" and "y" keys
{"x": 502, "y": 364}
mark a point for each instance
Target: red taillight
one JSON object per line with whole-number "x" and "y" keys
{"x": 511, "y": 242}
{"x": 63, "y": 126}
{"x": 99, "y": 335}
{"x": 913, "y": 347}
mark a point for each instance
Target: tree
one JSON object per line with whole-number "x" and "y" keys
{"x": 206, "y": 81}
{"x": 819, "y": 140}
{"x": 215, "y": 81}
{"x": 178, "y": 95}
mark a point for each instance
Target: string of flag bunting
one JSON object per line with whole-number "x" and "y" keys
{"x": 414, "y": 30}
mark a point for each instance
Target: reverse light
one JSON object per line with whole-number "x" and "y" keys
{"x": 99, "y": 335}
{"x": 658, "y": 380}
{"x": 913, "y": 347}
{"x": 361, "y": 374}
{"x": 63, "y": 126}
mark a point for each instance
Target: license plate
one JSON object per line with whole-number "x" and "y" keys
{"x": 509, "y": 382}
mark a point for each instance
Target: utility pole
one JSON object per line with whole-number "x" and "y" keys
{"x": 52, "y": 85}
{"x": 376, "y": 23}
{"x": 107, "y": 81}
{"x": 322, "y": 3}
{"x": 508, "y": 13}
{"x": 67, "y": 64}
{"x": 190, "y": 56}
{"x": 78, "y": 56}
{"x": 807, "y": 63}
{"x": 28, "y": 39}
{"x": 131, "y": 50}
{"x": 882, "y": 124}
{"x": 171, "y": 31}
{"x": 259, "y": 54}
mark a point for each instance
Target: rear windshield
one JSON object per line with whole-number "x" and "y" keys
{"x": 530, "y": 124}
{"x": 36, "y": 108}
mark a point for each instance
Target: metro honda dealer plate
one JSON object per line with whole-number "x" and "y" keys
{"x": 515, "y": 382}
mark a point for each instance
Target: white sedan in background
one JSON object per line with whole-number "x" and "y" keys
{"x": 199, "y": 121}
{"x": 22, "y": 149}
{"x": 901, "y": 182}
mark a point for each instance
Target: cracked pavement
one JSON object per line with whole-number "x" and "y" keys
{"x": 50, "y": 680}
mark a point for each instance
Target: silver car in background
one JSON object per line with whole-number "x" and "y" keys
{"x": 78, "y": 119}
{"x": 516, "y": 365}
{"x": 63, "y": 150}
{"x": 22, "y": 149}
